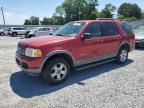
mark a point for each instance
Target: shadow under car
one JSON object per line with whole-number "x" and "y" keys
{"x": 27, "y": 86}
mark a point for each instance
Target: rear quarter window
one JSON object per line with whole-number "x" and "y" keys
{"x": 126, "y": 27}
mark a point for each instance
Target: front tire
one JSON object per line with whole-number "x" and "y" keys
{"x": 2, "y": 34}
{"x": 14, "y": 34}
{"x": 30, "y": 36}
{"x": 56, "y": 71}
{"x": 122, "y": 56}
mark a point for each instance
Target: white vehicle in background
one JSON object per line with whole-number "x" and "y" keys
{"x": 139, "y": 36}
{"x": 4, "y": 32}
{"x": 14, "y": 31}
{"x": 40, "y": 31}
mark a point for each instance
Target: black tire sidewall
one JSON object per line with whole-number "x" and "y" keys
{"x": 118, "y": 58}
{"x": 14, "y": 34}
{"x": 2, "y": 34}
{"x": 46, "y": 71}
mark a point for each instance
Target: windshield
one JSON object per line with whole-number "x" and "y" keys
{"x": 70, "y": 29}
{"x": 139, "y": 31}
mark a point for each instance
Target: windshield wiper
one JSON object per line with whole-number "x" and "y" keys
{"x": 59, "y": 35}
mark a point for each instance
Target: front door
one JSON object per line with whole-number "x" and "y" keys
{"x": 89, "y": 48}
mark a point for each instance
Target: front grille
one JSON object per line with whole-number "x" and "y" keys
{"x": 21, "y": 49}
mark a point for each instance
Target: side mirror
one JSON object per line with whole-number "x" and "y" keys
{"x": 86, "y": 36}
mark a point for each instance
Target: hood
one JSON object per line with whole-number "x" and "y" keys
{"x": 44, "y": 40}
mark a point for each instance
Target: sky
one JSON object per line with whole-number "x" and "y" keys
{"x": 16, "y": 11}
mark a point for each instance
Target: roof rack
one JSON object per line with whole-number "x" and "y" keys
{"x": 106, "y": 19}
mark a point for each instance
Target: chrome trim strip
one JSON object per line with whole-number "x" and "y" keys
{"x": 95, "y": 64}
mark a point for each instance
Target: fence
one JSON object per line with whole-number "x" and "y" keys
{"x": 30, "y": 26}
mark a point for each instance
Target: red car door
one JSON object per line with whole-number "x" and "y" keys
{"x": 89, "y": 48}
{"x": 110, "y": 38}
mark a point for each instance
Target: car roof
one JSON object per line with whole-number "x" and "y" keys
{"x": 99, "y": 20}
{"x": 44, "y": 27}
{"x": 17, "y": 27}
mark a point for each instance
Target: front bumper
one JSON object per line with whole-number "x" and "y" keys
{"x": 30, "y": 65}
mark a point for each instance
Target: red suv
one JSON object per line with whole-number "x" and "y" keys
{"x": 79, "y": 45}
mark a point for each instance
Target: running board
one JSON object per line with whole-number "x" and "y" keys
{"x": 94, "y": 64}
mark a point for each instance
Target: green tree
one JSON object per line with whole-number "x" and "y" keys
{"x": 27, "y": 22}
{"x": 107, "y": 12}
{"x": 47, "y": 21}
{"x": 58, "y": 20}
{"x": 129, "y": 10}
{"x": 59, "y": 16}
{"x": 32, "y": 21}
{"x": 72, "y": 10}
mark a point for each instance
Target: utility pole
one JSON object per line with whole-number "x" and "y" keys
{"x": 3, "y": 16}
{"x": 80, "y": 10}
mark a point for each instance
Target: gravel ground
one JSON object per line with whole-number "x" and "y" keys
{"x": 106, "y": 86}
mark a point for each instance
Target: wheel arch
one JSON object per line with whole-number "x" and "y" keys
{"x": 60, "y": 53}
{"x": 14, "y": 32}
{"x": 126, "y": 45}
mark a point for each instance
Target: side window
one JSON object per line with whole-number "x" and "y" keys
{"x": 108, "y": 29}
{"x": 15, "y": 28}
{"x": 126, "y": 27}
{"x": 46, "y": 29}
{"x": 23, "y": 28}
{"x": 40, "y": 29}
{"x": 94, "y": 30}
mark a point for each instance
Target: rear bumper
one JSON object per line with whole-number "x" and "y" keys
{"x": 29, "y": 65}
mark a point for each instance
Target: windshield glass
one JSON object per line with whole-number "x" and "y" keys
{"x": 139, "y": 31}
{"x": 70, "y": 29}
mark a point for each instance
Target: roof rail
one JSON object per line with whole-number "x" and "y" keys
{"x": 106, "y": 19}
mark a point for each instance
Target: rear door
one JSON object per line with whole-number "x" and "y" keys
{"x": 47, "y": 31}
{"x": 40, "y": 32}
{"x": 23, "y": 31}
{"x": 109, "y": 38}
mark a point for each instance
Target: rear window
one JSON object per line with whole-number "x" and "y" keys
{"x": 126, "y": 27}
{"x": 108, "y": 29}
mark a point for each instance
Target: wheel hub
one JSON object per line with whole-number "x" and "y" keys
{"x": 58, "y": 71}
{"x": 123, "y": 55}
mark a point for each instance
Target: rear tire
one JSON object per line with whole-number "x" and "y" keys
{"x": 56, "y": 71}
{"x": 122, "y": 56}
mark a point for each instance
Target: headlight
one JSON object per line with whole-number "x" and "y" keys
{"x": 30, "y": 52}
